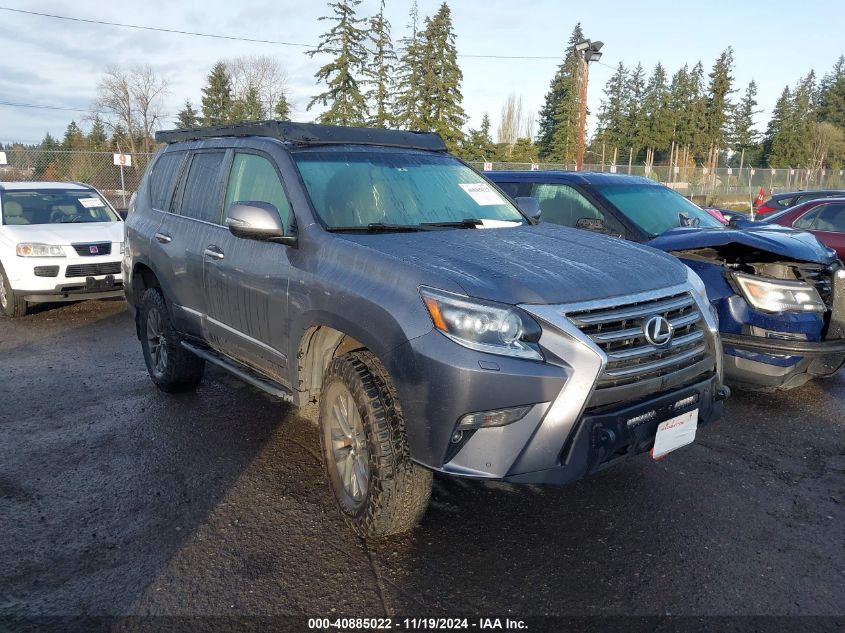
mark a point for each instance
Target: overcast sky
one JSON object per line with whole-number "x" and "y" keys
{"x": 58, "y": 63}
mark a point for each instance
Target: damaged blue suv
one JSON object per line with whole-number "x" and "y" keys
{"x": 780, "y": 293}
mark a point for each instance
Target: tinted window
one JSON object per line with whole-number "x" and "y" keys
{"x": 564, "y": 205}
{"x": 806, "y": 220}
{"x": 510, "y": 188}
{"x": 831, "y": 218}
{"x": 354, "y": 188}
{"x": 657, "y": 209}
{"x": 201, "y": 199}
{"x": 163, "y": 178}
{"x": 254, "y": 179}
{"x": 785, "y": 202}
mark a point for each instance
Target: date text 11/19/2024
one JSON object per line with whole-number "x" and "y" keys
{"x": 416, "y": 624}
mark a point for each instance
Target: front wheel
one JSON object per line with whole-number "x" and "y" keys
{"x": 379, "y": 490}
{"x": 11, "y": 304}
{"x": 171, "y": 366}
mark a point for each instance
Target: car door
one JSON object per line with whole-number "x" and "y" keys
{"x": 183, "y": 234}
{"x": 245, "y": 280}
{"x": 829, "y": 226}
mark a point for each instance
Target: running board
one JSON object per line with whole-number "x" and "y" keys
{"x": 247, "y": 375}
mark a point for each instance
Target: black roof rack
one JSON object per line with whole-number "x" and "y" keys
{"x": 310, "y": 134}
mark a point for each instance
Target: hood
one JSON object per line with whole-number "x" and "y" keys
{"x": 782, "y": 241}
{"x": 65, "y": 234}
{"x": 540, "y": 264}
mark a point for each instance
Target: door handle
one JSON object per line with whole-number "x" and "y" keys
{"x": 164, "y": 238}
{"x": 213, "y": 252}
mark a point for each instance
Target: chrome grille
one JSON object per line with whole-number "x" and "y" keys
{"x": 618, "y": 330}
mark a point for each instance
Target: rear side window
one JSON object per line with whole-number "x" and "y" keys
{"x": 163, "y": 179}
{"x": 784, "y": 203}
{"x": 806, "y": 220}
{"x": 201, "y": 198}
{"x": 254, "y": 179}
{"x": 564, "y": 205}
{"x": 831, "y": 218}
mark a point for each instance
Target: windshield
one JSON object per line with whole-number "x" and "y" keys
{"x": 355, "y": 188}
{"x": 54, "y": 206}
{"x": 656, "y": 209}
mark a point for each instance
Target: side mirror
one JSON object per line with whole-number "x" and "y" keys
{"x": 592, "y": 224}
{"x": 530, "y": 207}
{"x": 257, "y": 221}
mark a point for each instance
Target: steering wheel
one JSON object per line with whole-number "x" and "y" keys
{"x": 57, "y": 216}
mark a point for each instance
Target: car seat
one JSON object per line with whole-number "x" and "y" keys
{"x": 13, "y": 214}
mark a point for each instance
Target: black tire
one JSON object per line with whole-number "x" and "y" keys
{"x": 11, "y": 305}
{"x": 398, "y": 490}
{"x": 171, "y": 367}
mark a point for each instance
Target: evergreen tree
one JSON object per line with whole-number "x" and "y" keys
{"x": 743, "y": 136}
{"x": 345, "y": 42}
{"x": 282, "y": 109}
{"x": 249, "y": 108}
{"x": 657, "y": 114}
{"x": 612, "y": 119}
{"x": 524, "y": 151}
{"x": 409, "y": 76}
{"x": 557, "y": 132}
{"x": 718, "y": 103}
{"x": 217, "y": 97}
{"x": 634, "y": 111}
{"x": 97, "y": 138}
{"x": 74, "y": 138}
{"x": 832, "y": 95}
{"x": 440, "y": 94}
{"x": 478, "y": 145}
{"x": 380, "y": 71}
{"x": 187, "y": 117}
{"x": 781, "y": 144}
{"x": 46, "y": 157}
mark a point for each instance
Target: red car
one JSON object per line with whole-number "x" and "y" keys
{"x": 824, "y": 218}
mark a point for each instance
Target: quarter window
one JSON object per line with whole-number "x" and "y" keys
{"x": 254, "y": 179}
{"x": 806, "y": 220}
{"x": 201, "y": 199}
{"x": 163, "y": 178}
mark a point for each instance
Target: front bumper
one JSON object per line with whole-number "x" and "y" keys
{"x": 439, "y": 382}
{"x": 65, "y": 278}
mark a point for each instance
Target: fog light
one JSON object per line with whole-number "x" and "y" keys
{"x": 499, "y": 417}
{"x": 457, "y": 436}
{"x": 685, "y": 402}
{"x": 642, "y": 418}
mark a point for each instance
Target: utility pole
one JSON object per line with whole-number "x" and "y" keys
{"x": 587, "y": 51}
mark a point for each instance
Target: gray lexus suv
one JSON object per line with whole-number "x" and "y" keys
{"x": 409, "y": 308}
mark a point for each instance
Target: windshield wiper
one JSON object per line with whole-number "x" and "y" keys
{"x": 466, "y": 223}
{"x": 375, "y": 227}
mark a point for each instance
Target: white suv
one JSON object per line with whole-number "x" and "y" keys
{"x": 58, "y": 242}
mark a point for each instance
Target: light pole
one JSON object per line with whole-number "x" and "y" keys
{"x": 587, "y": 51}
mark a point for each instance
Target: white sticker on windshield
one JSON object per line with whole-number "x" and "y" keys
{"x": 90, "y": 203}
{"x": 483, "y": 195}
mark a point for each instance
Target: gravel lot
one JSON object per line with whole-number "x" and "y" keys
{"x": 116, "y": 499}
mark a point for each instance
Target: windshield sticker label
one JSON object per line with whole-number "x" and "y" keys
{"x": 483, "y": 195}
{"x": 90, "y": 203}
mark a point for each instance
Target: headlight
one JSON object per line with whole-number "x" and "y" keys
{"x": 484, "y": 326}
{"x": 28, "y": 249}
{"x": 775, "y": 295}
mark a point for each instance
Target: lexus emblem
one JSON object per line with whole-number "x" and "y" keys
{"x": 658, "y": 331}
{"x": 93, "y": 250}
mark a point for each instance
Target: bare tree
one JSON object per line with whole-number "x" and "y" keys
{"x": 511, "y": 121}
{"x": 131, "y": 102}
{"x": 527, "y": 129}
{"x": 260, "y": 73}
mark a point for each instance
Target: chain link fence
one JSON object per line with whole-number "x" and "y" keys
{"x": 724, "y": 186}
{"x": 92, "y": 168}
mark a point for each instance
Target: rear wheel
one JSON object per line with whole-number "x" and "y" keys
{"x": 171, "y": 366}
{"x": 379, "y": 490}
{"x": 11, "y": 304}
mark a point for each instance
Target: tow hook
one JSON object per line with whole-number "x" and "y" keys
{"x": 723, "y": 392}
